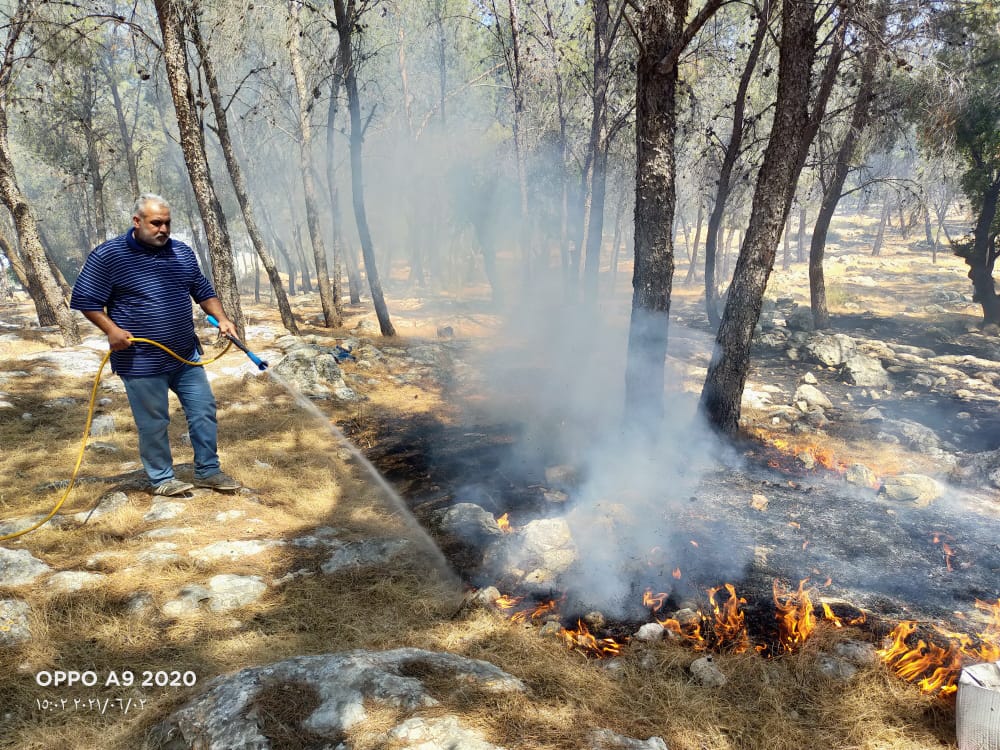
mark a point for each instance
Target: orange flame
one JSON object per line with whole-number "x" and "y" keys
{"x": 581, "y": 640}
{"x": 796, "y": 620}
{"x": 949, "y": 553}
{"x": 653, "y": 601}
{"x": 689, "y": 632}
{"x": 504, "y": 523}
{"x": 730, "y": 628}
{"x": 542, "y": 609}
{"x": 677, "y": 573}
{"x": 936, "y": 668}
{"x": 803, "y": 452}
{"x": 507, "y": 602}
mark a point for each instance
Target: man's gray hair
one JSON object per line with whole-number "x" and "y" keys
{"x": 146, "y": 198}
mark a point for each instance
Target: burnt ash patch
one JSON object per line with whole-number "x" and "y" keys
{"x": 859, "y": 549}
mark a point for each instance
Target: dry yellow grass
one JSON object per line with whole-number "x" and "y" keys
{"x": 299, "y": 480}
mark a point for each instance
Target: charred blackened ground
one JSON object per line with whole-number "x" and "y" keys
{"x": 753, "y": 520}
{"x": 862, "y": 550}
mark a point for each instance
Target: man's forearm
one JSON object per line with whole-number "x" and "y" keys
{"x": 100, "y": 319}
{"x": 118, "y": 338}
{"x": 213, "y": 307}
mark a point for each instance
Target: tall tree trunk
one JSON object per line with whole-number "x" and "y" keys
{"x": 16, "y": 264}
{"x": 699, "y": 221}
{"x": 617, "y": 241}
{"x": 860, "y": 116}
{"x": 520, "y": 147}
{"x": 663, "y": 38}
{"x": 792, "y": 131}
{"x": 93, "y": 158}
{"x": 51, "y": 305}
{"x": 346, "y": 19}
{"x": 880, "y": 233}
{"x": 123, "y": 130}
{"x": 981, "y": 256}
{"x": 290, "y": 268}
{"x": 331, "y": 304}
{"x": 603, "y": 41}
{"x": 561, "y": 142}
{"x": 732, "y": 153}
{"x": 441, "y": 42}
{"x": 193, "y": 145}
{"x": 239, "y": 184}
{"x": 800, "y": 238}
{"x": 340, "y": 249}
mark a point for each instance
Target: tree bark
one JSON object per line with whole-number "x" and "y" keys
{"x": 330, "y": 303}
{"x": 520, "y": 159}
{"x": 603, "y": 41}
{"x": 346, "y": 18}
{"x": 239, "y": 184}
{"x": 880, "y": 233}
{"x": 88, "y": 102}
{"x": 663, "y": 37}
{"x": 791, "y": 134}
{"x": 860, "y": 116}
{"x": 981, "y": 256}
{"x": 193, "y": 146}
{"x": 340, "y": 249}
{"x": 732, "y": 153}
{"x": 51, "y": 305}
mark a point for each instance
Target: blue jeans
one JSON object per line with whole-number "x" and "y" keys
{"x": 148, "y": 398}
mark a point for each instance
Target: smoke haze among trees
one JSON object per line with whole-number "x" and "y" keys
{"x": 370, "y": 149}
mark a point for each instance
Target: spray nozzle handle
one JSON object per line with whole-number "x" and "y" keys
{"x": 261, "y": 364}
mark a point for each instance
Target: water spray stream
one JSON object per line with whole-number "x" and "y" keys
{"x": 394, "y": 498}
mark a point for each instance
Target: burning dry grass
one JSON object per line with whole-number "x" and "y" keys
{"x": 782, "y": 703}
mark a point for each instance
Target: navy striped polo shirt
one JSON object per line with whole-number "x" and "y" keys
{"x": 147, "y": 291}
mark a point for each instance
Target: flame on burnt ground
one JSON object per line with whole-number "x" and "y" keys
{"x": 935, "y": 668}
{"x": 795, "y": 614}
{"x": 800, "y": 453}
{"x": 722, "y": 628}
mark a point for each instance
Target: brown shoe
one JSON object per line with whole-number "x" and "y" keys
{"x": 172, "y": 488}
{"x": 219, "y": 482}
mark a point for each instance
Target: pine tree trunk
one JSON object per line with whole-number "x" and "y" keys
{"x": 340, "y": 248}
{"x": 124, "y": 132}
{"x": 791, "y": 133}
{"x": 725, "y": 183}
{"x": 239, "y": 185}
{"x": 331, "y": 304}
{"x": 51, "y": 305}
{"x": 860, "y": 115}
{"x": 982, "y": 255}
{"x": 345, "y": 22}
{"x": 880, "y": 234}
{"x": 599, "y": 146}
{"x": 193, "y": 145}
{"x": 655, "y": 202}
{"x": 693, "y": 267}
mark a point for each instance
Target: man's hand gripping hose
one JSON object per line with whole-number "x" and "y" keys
{"x": 240, "y": 345}
{"x": 90, "y": 417}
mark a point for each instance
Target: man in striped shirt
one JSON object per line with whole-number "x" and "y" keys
{"x": 140, "y": 285}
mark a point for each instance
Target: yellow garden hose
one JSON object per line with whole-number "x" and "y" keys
{"x": 90, "y": 418}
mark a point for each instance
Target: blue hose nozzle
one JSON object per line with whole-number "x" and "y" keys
{"x": 253, "y": 357}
